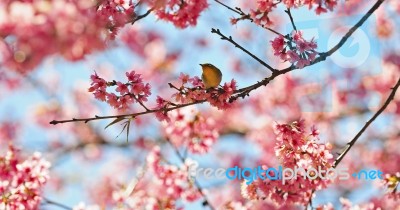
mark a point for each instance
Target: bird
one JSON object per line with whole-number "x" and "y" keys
{"x": 211, "y": 76}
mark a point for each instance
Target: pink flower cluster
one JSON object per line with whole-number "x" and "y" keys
{"x": 192, "y": 89}
{"x": 295, "y": 148}
{"x": 135, "y": 90}
{"x": 21, "y": 181}
{"x": 115, "y": 14}
{"x": 182, "y": 13}
{"x": 175, "y": 180}
{"x": 295, "y": 49}
{"x": 322, "y": 6}
{"x": 32, "y": 30}
{"x": 260, "y": 15}
{"x": 190, "y": 129}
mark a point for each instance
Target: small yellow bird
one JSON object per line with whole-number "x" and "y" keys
{"x": 211, "y": 76}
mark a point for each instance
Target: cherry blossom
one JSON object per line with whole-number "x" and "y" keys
{"x": 193, "y": 89}
{"x": 133, "y": 91}
{"x": 181, "y": 13}
{"x": 175, "y": 180}
{"x": 188, "y": 128}
{"x": 72, "y": 29}
{"x": 295, "y": 147}
{"x": 22, "y": 179}
{"x": 295, "y": 49}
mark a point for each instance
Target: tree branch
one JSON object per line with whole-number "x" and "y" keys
{"x": 86, "y": 120}
{"x": 291, "y": 18}
{"x": 355, "y": 27}
{"x": 243, "y": 92}
{"x": 139, "y": 17}
{"x": 229, "y": 39}
{"x": 353, "y": 141}
{"x": 230, "y": 8}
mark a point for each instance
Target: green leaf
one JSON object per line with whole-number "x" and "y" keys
{"x": 119, "y": 119}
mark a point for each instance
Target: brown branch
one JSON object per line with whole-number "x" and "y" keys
{"x": 229, "y": 39}
{"x": 86, "y": 120}
{"x": 230, "y": 8}
{"x": 140, "y": 102}
{"x": 355, "y": 27}
{"x": 291, "y": 18}
{"x": 139, "y": 17}
{"x": 353, "y": 141}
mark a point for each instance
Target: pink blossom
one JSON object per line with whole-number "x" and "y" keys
{"x": 294, "y": 147}
{"x": 278, "y": 45}
{"x": 302, "y": 62}
{"x": 124, "y": 102}
{"x": 72, "y": 33}
{"x": 181, "y": 13}
{"x": 112, "y": 100}
{"x": 122, "y": 88}
{"x": 100, "y": 95}
{"x": 162, "y": 104}
{"x": 133, "y": 77}
{"x": 22, "y": 179}
{"x": 189, "y": 129}
{"x": 300, "y": 51}
{"x": 173, "y": 179}
{"x": 184, "y": 78}
{"x": 260, "y": 15}
{"x": 97, "y": 83}
{"x": 220, "y": 99}
{"x": 133, "y": 91}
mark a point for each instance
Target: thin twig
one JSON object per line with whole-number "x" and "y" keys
{"x": 309, "y": 201}
{"x": 245, "y": 16}
{"x": 229, "y": 39}
{"x": 199, "y": 188}
{"x": 47, "y": 201}
{"x": 140, "y": 102}
{"x": 86, "y": 120}
{"x": 141, "y": 16}
{"x": 228, "y": 7}
{"x": 291, "y": 18}
{"x": 353, "y": 141}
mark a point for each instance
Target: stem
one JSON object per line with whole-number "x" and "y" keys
{"x": 86, "y": 120}
{"x": 229, "y": 39}
{"x": 367, "y": 124}
{"x": 291, "y": 18}
{"x": 228, "y": 7}
{"x": 141, "y": 16}
{"x": 355, "y": 27}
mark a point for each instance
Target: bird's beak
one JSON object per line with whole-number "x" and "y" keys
{"x": 201, "y": 65}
